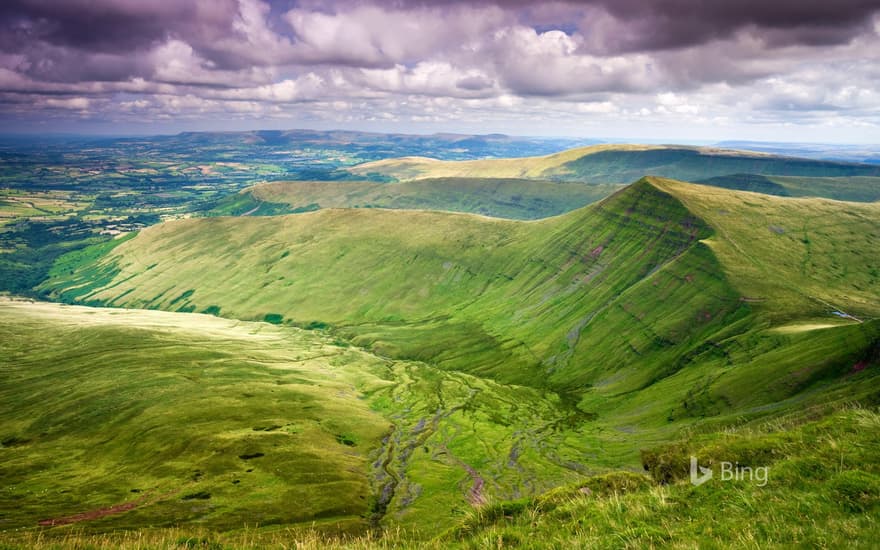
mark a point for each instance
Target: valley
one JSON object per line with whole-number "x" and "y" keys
{"x": 439, "y": 275}
{"x": 452, "y": 353}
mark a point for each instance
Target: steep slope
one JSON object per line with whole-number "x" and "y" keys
{"x": 812, "y": 483}
{"x": 508, "y": 291}
{"x": 805, "y": 256}
{"x": 503, "y": 198}
{"x": 618, "y": 164}
{"x": 652, "y": 306}
{"x": 853, "y": 188}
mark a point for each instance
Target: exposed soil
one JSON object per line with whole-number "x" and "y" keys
{"x": 475, "y": 494}
{"x": 93, "y": 514}
{"x": 104, "y": 512}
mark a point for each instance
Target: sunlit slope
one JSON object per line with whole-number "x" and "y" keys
{"x": 618, "y": 164}
{"x": 792, "y": 257}
{"x": 649, "y": 290}
{"x": 514, "y": 296}
{"x": 128, "y": 418}
{"x": 843, "y": 188}
{"x": 503, "y": 198}
{"x": 182, "y": 418}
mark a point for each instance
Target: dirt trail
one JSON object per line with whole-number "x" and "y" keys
{"x": 104, "y": 512}
{"x": 475, "y": 493}
{"x": 93, "y": 514}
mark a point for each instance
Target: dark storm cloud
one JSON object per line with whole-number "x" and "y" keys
{"x": 435, "y": 58}
{"x": 92, "y": 26}
{"x": 678, "y": 23}
{"x": 113, "y": 25}
{"x": 663, "y": 24}
{"x": 42, "y": 29}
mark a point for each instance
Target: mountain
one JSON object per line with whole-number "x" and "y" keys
{"x": 620, "y": 164}
{"x": 618, "y": 296}
{"x": 462, "y": 374}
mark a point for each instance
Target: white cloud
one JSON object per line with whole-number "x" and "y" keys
{"x": 72, "y": 103}
{"x": 455, "y": 63}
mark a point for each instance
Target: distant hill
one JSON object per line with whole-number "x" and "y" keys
{"x": 523, "y": 198}
{"x": 863, "y": 153}
{"x": 497, "y": 197}
{"x": 624, "y": 163}
{"x": 371, "y": 145}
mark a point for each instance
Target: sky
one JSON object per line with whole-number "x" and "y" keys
{"x": 674, "y": 70}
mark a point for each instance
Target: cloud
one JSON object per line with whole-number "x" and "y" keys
{"x": 520, "y": 63}
{"x": 362, "y": 36}
{"x": 550, "y": 64}
{"x": 646, "y": 25}
{"x": 75, "y": 103}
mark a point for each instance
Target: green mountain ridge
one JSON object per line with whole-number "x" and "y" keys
{"x": 616, "y": 297}
{"x": 616, "y": 164}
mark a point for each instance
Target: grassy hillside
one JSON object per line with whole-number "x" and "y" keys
{"x": 625, "y": 163}
{"x": 853, "y": 188}
{"x": 822, "y": 489}
{"x": 126, "y": 418}
{"x": 503, "y": 198}
{"x": 650, "y": 307}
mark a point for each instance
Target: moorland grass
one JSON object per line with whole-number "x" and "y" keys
{"x": 121, "y": 419}
{"x": 821, "y": 491}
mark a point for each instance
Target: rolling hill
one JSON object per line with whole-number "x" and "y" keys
{"x": 615, "y": 164}
{"x": 503, "y": 198}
